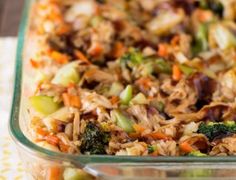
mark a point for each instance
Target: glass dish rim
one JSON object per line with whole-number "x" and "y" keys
{"x": 80, "y": 160}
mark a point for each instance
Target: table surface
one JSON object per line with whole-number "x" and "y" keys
{"x": 10, "y": 14}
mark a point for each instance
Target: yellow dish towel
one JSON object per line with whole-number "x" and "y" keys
{"x": 11, "y": 167}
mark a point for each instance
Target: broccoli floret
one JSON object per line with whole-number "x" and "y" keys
{"x": 94, "y": 140}
{"x": 197, "y": 153}
{"x": 214, "y": 130}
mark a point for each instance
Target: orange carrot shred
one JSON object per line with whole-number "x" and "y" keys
{"x": 82, "y": 57}
{"x": 52, "y": 139}
{"x": 36, "y": 64}
{"x": 138, "y": 128}
{"x": 175, "y": 40}
{"x": 176, "y": 73}
{"x": 96, "y": 49}
{"x": 59, "y": 57}
{"x": 118, "y": 50}
{"x": 204, "y": 15}
{"x": 162, "y": 50}
{"x": 114, "y": 99}
{"x": 42, "y": 132}
{"x": 54, "y": 173}
{"x": 186, "y": 147}
{"x": 158, "y": 135}
{"x": 71, "y": 100}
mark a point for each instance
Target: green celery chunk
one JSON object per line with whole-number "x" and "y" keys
{"x": 197, "y": 153}
{"x": 115, "y": 89}
{"x": 67, "y": 74}
{"x": 123, "y": 122}
{"x": 76, "y": 174}
{"x": 44, "y": 104}
{"x": 223, "y": 37}
{"x": 139, "y": 99}
{"x": 126, "y": 95}
{"x": 186, "y": 69}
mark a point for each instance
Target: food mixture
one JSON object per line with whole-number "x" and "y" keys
{"x": 135, "y": 77}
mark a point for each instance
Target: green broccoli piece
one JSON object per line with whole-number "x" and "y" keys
{"x": 197, "y": 153}
{"x": 214, "y": 130}
{"x": 94, "y": 140}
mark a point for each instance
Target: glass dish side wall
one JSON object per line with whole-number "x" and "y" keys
{"x": 37, "y": 158}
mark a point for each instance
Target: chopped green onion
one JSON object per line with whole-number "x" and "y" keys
{"x": 123, "y": 122}
{"x": 126, "y": 95}
{"x": 44, "y": 104}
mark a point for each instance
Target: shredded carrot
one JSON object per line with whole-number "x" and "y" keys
{"x": 118, "y": 50}
{"x": 54, "y": 173}
{"x": 162, "y": 50}
{"x": 96, "y": 49}
{"x": 63, "y": 147}
{"x": 63, "y": 29}
{"x": 175, "y": 40}
{"x": 158, "y": 135}
{"x": 36, "y": 64}
{"x": 144, "y": 82}
{"x": 204, "y": 15}
{"x": 59, "y": 57}
{"x": 138, "y": 128}
{"x": 71, "y": 85}
{"x": 82, "y": 57}
{"x": 52, "y": 139}
{"x": 71, "y": 100}
{"x": 176, "y": 73}
{"x": 186, "y": 147}
{"x": 42, "y": 132}
{"x": 114, "y": 99}
{"x": 134, "y": 135}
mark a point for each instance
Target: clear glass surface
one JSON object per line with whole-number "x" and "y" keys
{"x": 38, "y": 160}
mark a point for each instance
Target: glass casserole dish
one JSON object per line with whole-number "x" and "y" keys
{"x": 42, "y": 163}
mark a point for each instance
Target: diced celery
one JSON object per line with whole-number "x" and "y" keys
{"x": 115, "y": 89}
{"x": 223, "y": 37}
{"x": 67, "y": 74}
{"x": 146, "y": 69}
{"x": 197, "y": 153}
{"x": 76, "y": 174}
{"x": 186, "y": 69}
{"x": 126, "y": 95}
{"x": 61, "y": 114}
{"x": 123, "y": 122}
{"x": 139, "y": 99}
{"x": 44, "y": 104}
